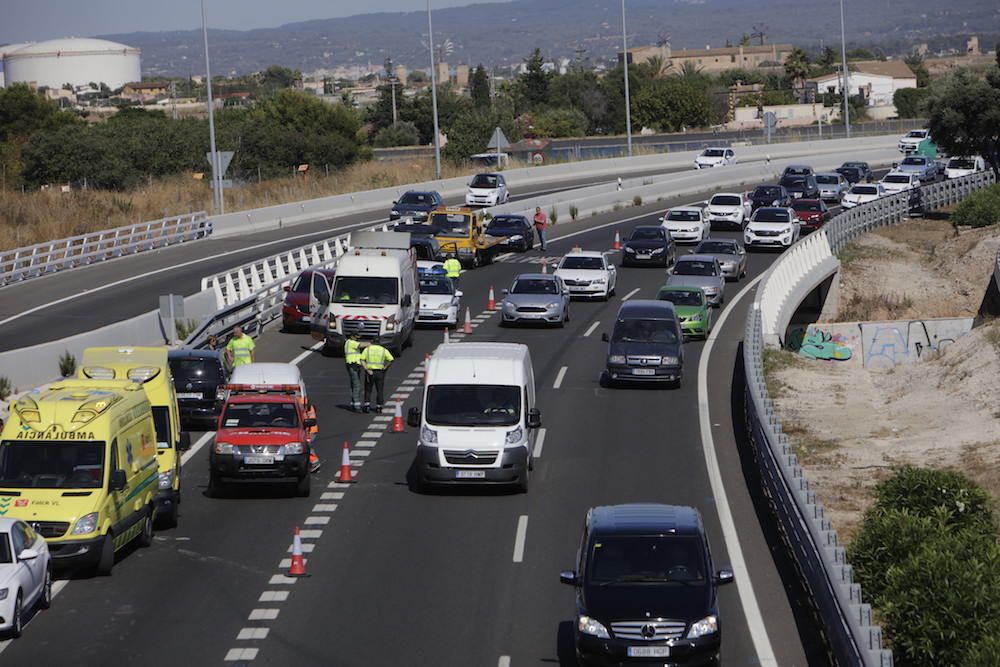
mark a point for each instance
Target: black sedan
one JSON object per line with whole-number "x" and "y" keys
{"x": 515, "y": 232}
{"x": 800, "y": 186}
{"x": 648, "y": 245}
{"x": 770, "y": 195}
{"x": 422, "y": 239}
{"x": 855, "y": 172}
{"x": 415, "y": 204}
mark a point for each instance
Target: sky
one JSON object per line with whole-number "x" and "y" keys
{"x": 35, "y": 20}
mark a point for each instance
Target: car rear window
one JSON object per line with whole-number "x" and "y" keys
{"x": 827, "y": 179}
{"x": 771, "y": 215}
{"x": 864, "y": 190}
{"x": 684, "y": 216}
{"x": 725, "y": 200}
{"x": 806, "y": 206}
{"x": 582, "y": 263}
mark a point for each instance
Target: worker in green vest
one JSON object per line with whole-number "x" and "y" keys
{"x": 376, "y": 360}
{"x": 453, "y": 269}
{"x": 352, "y": 357}
{"x": 239, "y": 349}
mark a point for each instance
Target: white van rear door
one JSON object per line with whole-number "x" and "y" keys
{"x": 319, "y": 303}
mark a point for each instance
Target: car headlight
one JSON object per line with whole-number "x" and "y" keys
{"x": 220, "y": 393}
{"x": 554, "y": 304}
{"x": 292, "y": 448}
{"x": 517, "y": 237}
{"x": 166, "y": 479}
{"x": 589, "y": 626}
{"x": 3, "y": 593}
{"x": 394, "y": 212}
{"x": 706, "y": 626}
{"x": 428, "y": 436}
{"x": 616, "y": 359}
{"x": 694, "y": 318}
{"x": 630, "y": 249}
{"x": 86, "y": 524}
{"x": 224, "y": 448}
{"x": 656, "y": 251}
{"x": 390, "y": 325}
{"x": 444, "y": 306}
{"x": 515, "y": 436}
{"x": 668, "y": 361}
{"x": 599, "y": 281}
{"x": 711, "y": 290}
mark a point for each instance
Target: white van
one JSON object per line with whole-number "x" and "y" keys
{"x": 479, "y": 420}
{"x": 959, "y": 166}
{"x": 267, "y": 374}
{"x": 374, "y": 293}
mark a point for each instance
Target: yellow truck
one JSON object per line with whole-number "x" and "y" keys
{"x": 149, "y": 367}
{"x": 78, "y": 462}
{"x": 460, "y": 231}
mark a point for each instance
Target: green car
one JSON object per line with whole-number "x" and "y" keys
{"x": 692, "y": 309}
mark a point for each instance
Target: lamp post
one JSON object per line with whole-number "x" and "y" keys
{"x": 628, "y": 105}
{"x": 434, "y": 99}
{"x": 217, "y": 198}
{"x": 846, "y": 89}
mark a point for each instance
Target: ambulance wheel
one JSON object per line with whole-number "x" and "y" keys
{"x": 107, "y": 558}
{"x": 145, "y": 537}
{"x": 168, "y": 519}
{"x": 302, "y": 488}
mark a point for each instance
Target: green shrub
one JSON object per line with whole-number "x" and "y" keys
{"x": 884, "y": 540}
{"x": 985, "y": 652}
{"x": 6, "y": 389}
{"x": 573, "y": 211}
{"x": 553, "y": 215}
{"x": 980, "y": 209}
{"x": 402, "y": 133}
{"x": 920, "y": 491}
{"x": 67, "y": 364}
{"x": 637, "y": 201}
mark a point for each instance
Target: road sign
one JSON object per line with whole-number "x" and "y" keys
{"x": 770, "y": 120}
{"x": 498, "y": 140}
{"x": 225, "y": 157}
{"x": 226, "y": 183}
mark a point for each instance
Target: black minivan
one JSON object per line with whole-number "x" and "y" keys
{"x": 646, "y": 344}
{"x": 198, "y": 379}
{"x": 646, "y": 588}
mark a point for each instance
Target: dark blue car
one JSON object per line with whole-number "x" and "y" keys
{"x": 415, "y": 204}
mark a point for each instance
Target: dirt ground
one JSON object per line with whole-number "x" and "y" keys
{"x": 852, "y": 425}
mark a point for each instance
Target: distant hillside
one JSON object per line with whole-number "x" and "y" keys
{"x": 505, "y": 32}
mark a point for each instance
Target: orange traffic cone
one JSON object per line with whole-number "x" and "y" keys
{"x": 618, "y": 242}
{"x": 298, "y": 566}
{"x": 491, "y": 303}
{"x": 345, "y": 466}
{"x": 397, "y": 420}
{"x": 447, "y": 338}
{"x": 467, "y": 327}
{"x": 545, "y": 266}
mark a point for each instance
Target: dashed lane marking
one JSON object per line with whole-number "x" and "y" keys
{"x": 263, "y": 614}
{"x": 281, "y": 580}
{"x": 317, "y": 520}
{"x": 364, "y": 443}
{"x": 591, "y": 328}
{"x": 296, "y": 360}
{"x": 504, "y": 661}
{"x": 237, "y": 654}
{"x": 559, "y": 378}
{"x": 539, "y": 442}
{"x": 273, "y": 596}
{"x": 519, "y": 538}
{"x": 630, "y": 294}
{"x": 252, "y": 633}
{"x": 332, "y": 495}
{"x": 328, "y": 507}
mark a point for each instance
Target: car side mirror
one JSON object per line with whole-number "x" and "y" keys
{"x": 413, "y": 417}
{"x": 395, "y": 202}
{"x": 118, "y": 481}
{"x": 723, "y": 577}
{"x": 184, "y": 443}
{"x": 287, "y": 288}
{"x": 459, "y": 293}
{"x": 534, "y": 418}
{"x": 605, "y": 338}
{"x": 407, "y": 301}
{"x": 505, "y": 292}
{"x": 27, "y": 554}
{"x": 309, "y": 423}
{"x": 569, "y": 577}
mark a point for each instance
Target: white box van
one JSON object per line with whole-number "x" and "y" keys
{"x": 479, "y": 420}
{"x": 960, "y": 166}
{"x": 374, "y": 293}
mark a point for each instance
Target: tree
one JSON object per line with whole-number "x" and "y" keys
{"x": 671, "y": 104}
{"x": 909, "y": 102}
{"x": 469, "y": 133}
{"x": 916, "y": 63}
{"x": 745, "y": 40}
{"x": 581, "y": 90}
{"x": 658, "y": 66}
{"x": 23, "y": 112}
{"x": 827, "y": 58}
{"x": 533, "y": 85}
{"x": 400, "y": 134}
{"x": 277, "y": 77}
{"x": 561, "y": 122}
{"x": 797, "y": 67}
{"x": 479, "y": 88}
{"x": 964, "y": 114}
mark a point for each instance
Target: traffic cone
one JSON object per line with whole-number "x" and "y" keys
{"x": 491, "y": 303}
{"x": 447, "y": 338}
{"x": 397, "y": 420}
{"x": 345, "y": 466}
{"x": 545, "y": 266}
{"x": 467, "y": 327}
{"x": 618, "y": 242}
{"x": 298, "y": 566}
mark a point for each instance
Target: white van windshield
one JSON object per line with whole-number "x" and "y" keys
{"x": 473, "y": 405}
{"x": 51, "y": 464}
{"x": 365, "y": 290}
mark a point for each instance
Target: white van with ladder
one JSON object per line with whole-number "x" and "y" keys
{"x": 374, "y": 293}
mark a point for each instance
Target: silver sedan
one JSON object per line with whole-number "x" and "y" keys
{"x": 731, "y": 255}
{"x": 701, "y": 271}
{"x": 539, "y": 298}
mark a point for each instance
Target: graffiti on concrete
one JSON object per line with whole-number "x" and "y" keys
{"x": 820, "y": 344}
{"x": 888, "y": 344}
{"x": 885, "y": 344}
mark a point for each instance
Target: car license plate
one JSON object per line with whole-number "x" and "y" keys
{"x": 258, "y": 460}
{"x": 649, "y": 651}
{"x": 470, "y": 474}
{"x": 643, "y": 371}
{"x": 195, "y": 394}
{"x": 642, "y": 256}
{"x": 306, "y": 319}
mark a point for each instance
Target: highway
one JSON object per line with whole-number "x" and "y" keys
{"x": 455, "y": 578}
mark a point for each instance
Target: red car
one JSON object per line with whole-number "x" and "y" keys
{"x": 812, "y": 214}
{"x": 295, "y": 314}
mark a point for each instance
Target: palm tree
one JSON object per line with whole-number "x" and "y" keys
{"x": 689, "y": 71}
{"x": 659, "y": 66}
{"x": 797, "y": 67}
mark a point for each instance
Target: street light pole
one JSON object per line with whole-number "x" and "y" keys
{"x": 434, "y": 97}
{"x": 217, "y": 198}
{"x": 846, "y": 89}
{"x": 628, "y": 104}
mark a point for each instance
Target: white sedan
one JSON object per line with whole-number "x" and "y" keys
{"x": 25, "y": 574}
{"x": 862, "y": 193}
{"x": 715, "y": 156}
{"x": 687, "y": 224}
{"x": 588, "y": 273}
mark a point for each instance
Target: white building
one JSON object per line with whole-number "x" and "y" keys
{"x": 73, "y": 61}
{"x": 876, "y": 80}
{"x": 4, "y": 50}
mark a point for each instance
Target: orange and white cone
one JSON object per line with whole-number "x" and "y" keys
{"x": 345, "y": 466}
{"x": 298, "y": 566}
{"x": 397, "y": 420}
{"x": 545, "y": 266}
{"x": 618, "y": 242}
{"x": 491, "y": 303}
{"x": 447, "y": 338}
{"x": 467, "y": 327}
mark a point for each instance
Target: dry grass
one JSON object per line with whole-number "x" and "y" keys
{"x": 35, "y": 217}
{"x": 923, "y": 238}
{"x": 775, "y": 361}
{"x": 871, "y": 307}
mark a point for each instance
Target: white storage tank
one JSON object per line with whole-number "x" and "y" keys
{"x": 74, "y": 61}
{"x": 4, "y": 51}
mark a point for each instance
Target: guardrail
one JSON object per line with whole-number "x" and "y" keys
{"x": 808, "y": 535}
{"x": 44, "y": 258}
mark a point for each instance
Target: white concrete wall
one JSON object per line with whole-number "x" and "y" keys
{"x": 881, "y": 90}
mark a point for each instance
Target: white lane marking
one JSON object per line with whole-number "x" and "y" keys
{"x": 379, "y": 427}
{"x": 307, "y": 548}
{"x": 630, "y": 294}
{"x": 559, "y": 377}
{"x": 317, "y": 520}
{"x": 591, "y": 328}
{"x": 361, "y": 453}
{"x": 338, "y": 485}
{"x": 252, "y": 633}
{"x": 332, "y": 495}
{"x": 236, "y": 654}
{"x": 383, "y": 418}
{"x": 504, "y": 661}
{"x": 744, "y": 586}
{"x": 273, "y": 596}
{"x": 539, "y": 441}
{"x": 364, "y": 443}
{"x": 371, "y": 434}
{"x": 286, "y": 563}
{"x": 296, "y": 360}
{"x": 280, "y": 579}
{"x": 263, "y": 614}
{"x": 519, "y": 537}
{"x": 328, "y": 507}
{"x": 186, "y": 456}
{"x": 310, "y": 534}
{"x": 413, "y": 381}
